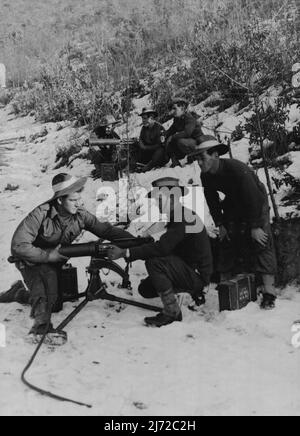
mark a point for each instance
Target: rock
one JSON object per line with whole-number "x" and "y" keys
{"x": 11, "y": 188}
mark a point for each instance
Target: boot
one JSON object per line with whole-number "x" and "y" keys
{"x": 268, "y": 302}
{"x": 172, "y": 312}
{"x": 269, "y": 293}
{"x": 16, "y": 294}
{"x": 42, "y": 317}
{"x": 198, "y": 301}
{"x": 175, "y": 163}
{"x": 162, "y": 320}
{"x": 42, "y": 325}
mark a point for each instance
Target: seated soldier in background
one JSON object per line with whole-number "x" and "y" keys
{"x": 181, "y": 261}
{"x": 104, "y": 152}
{"x": 243, "y": 217}
{"x": 36, "y": 242}
{"x": 106, "y": 128}
{"x": 182, "y": 135}
{"x": 152, "y": 152}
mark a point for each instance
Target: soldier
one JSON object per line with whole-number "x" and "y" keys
{"x": 103, "y": 153}
{"x": 182, "y": 135}
{"x": 106, "y": 128}
{"x": 243, "y": 217}
{"x": 36, "y": 242}
{"x": 180, "y": 262}
{"x": 151, "y": 143}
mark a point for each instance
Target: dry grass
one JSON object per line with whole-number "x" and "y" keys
{"x": 33, "y": 32}
{"x": 74, "y": 54}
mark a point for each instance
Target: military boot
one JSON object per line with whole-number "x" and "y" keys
{"x": 16, "y": 294}
{"x": 268, "y": 302}
{"x": 172, "y": 312}
{"x": 43, "y": 326}
{"x": 42, "y": 317}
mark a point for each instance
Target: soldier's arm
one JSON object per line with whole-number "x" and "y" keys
{"x": 103, "y": 230}
{"x": 22, "y": 243}
{"x": 171, "y": 131}
{"x": 189, "y": 129}
{"x": 214, "y": 205}
{"x": 164, "y": 247}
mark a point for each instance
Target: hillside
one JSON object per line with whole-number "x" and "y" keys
{"x": 32, "y": 33}
{"x": 213, "y": 364}
{"x": 70, "y": 62}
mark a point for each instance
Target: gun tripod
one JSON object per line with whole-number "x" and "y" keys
{"x": 97, "y": 289}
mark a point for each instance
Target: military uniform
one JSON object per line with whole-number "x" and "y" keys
{"x": 244, "y": 208}
{"x": 184, "y": 132}
{"x": 41, "y": 231}
{"x": 151, "y": 138}
{"x": 180, "y": 260}
{"x": 104, "y": 153}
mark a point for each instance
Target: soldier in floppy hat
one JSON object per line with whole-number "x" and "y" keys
{"x": 36, "y": 242}
{"x": 105, "y": 130}
{"x": 181, "y": 137}
{"x": 243, "y": 217}
{"x": 181, "y": 261}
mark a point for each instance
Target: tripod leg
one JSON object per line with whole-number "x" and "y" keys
{"x": 72, "y": 315}
{"x": 106, "y": 296}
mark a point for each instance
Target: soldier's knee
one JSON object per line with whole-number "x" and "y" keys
{"x": 146, "y": 289}
{"x": 154, "y": 264}
{"x": 181, "y": 142}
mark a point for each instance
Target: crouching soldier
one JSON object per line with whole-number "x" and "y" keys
{"x": 182, "y": 135}
{"x": 181, "y": 261}
{"x": 243, "y": 217}
{"x": 151, "y": 143}
{"x": 36, "y": 243}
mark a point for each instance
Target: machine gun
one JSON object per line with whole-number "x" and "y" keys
{"x": 97, "y": 289}
{"x": 102, "y": 142}
{"x": 115, "y": 155}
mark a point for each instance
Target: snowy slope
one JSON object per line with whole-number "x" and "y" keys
{"x": 211, "y": 364}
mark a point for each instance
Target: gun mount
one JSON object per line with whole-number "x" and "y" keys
{"x": 97, "y": 289}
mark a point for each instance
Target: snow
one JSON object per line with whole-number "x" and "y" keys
{"x": 220, "y": 364}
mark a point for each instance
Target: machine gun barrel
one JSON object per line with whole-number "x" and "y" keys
{"x": 99, "y": 249}
{"x": 110, "y": 142}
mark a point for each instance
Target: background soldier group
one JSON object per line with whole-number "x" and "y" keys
{"x": 180, "y": 261}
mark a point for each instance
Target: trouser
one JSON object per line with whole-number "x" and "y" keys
{"x": 242, "y": 254}
{"x": 153, "y": 158}
{"x": 168, "y": 276}
{"x": 179, "y": 148}
{"x": 42, "y": 283}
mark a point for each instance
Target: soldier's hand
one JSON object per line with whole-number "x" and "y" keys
{"x": 260, "y": 236}
{"x": 223, "y": 234}
{"x": 56, "y": 257}
{"x": 115, "y": 253}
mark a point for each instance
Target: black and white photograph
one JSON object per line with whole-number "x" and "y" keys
{"x": 150, "y": 210}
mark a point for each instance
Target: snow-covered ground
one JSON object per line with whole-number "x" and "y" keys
{"x": 239, "y": 363}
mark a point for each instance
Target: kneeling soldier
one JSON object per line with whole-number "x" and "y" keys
{"x": 36, "y": 243}
{"x": 181, "y": 261}
{"x": 243, "y": 217}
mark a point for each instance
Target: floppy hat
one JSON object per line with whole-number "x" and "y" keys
{"x": 168, "y": 183}
{"x": 208, "y": 142}
{"x": 64, "y": 184}
{"x": 149, "y": 111}
{"x": 108, "y": 120}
